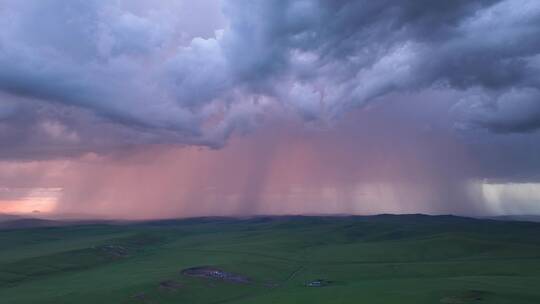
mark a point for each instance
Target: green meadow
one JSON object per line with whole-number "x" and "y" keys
{"x": 377, "y": 259}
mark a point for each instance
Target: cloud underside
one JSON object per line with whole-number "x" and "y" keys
{"x": 91, "y": 76}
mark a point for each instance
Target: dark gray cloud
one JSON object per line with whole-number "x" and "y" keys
{"x": 96, "y": 75}
{"x": 514, "y": 110}
{"x": 352, "y": 52}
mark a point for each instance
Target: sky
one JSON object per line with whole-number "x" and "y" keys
{"x": 159, "y": 109}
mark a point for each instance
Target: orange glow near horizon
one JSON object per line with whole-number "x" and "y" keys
{"x": 36, "y": 200}
{"x": 26, "y": 206}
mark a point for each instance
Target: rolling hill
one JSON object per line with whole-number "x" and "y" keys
{"x": 291, "y": 259}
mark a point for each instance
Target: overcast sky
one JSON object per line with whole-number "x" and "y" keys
{"x": 163, "y": 108}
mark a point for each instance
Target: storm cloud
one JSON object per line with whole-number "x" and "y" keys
{"x": 141, "y": 67}
{"x": 451, "y": 87}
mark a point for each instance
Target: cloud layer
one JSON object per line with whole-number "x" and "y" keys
{"x": 140, "y": 72}
{"x": 422, "y": 99}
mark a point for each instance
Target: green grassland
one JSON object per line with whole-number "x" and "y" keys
{"x": 379, "y": 259}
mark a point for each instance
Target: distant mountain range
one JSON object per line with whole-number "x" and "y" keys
{"x": 8, "y": 217}
{"x": 522, "y": 218}
{"x": 12, "y": 221}
{"x": 30, "y": 223}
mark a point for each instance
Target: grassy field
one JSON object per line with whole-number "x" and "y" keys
{"x": 380, "y": 259}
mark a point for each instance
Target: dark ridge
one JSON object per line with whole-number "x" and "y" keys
{"x": 9, "y": 217}
{"x": 519, "y": 218}
{"x": 29, "y": 223}
{"x": 16, "y": 222}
